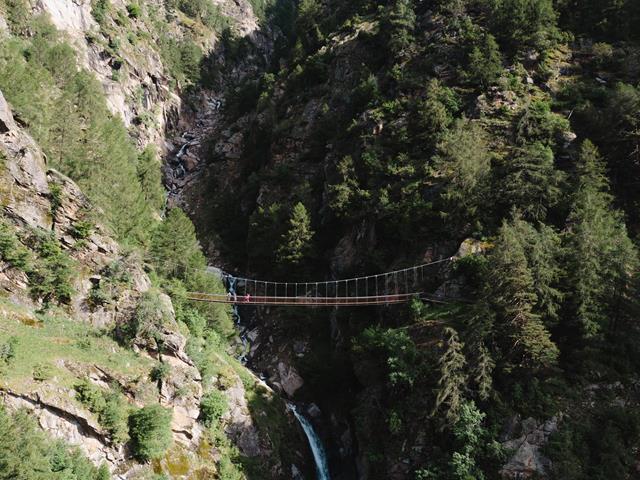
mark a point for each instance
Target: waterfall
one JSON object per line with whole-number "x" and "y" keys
{"x": 232, "y": 285}
{"x": 319, "y": 455}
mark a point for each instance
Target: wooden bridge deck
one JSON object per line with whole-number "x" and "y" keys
{"x": 311, "y": 301}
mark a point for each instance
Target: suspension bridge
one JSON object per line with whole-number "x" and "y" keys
{"x": 398, "y": 286}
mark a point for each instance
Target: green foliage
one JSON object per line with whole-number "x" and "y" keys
{"x": 532, "y": 183}
{"x": 109, "y": 406}
{"x": 435, "y": 114}
{"x": 309, "y": 14}
{"x": 50, "y": 278}
{"x": 398, "y": 25}
{"x": 18, "y": 15}
{"x": 82, "y": 229}
{"x": 467, "y": 431}
{"x": 538, "y": 124}
{"x": 182, "y": 59}
{"x": 28, "y": 454}
{"x": 523, "y": 337}
{"x": 601, "y": 255}
{"x": 599, "y": 445}
{"x": 11, "y": 249}
{"x": 148, "y": 320}
{"x": 193, "y": 319}
{"x": 524, "y": 23}
{"x": 209, "y": 14}
{"x": 66, "y": 112}
{"x": 485, "y": 62}
{"x": 604, "y": 19}
{"x": 150, "y": 431}
{"x": 134, "y": 10}
{"x": 8, "y": 351}
{"x": 42, "y": 372}
{"x": 463, "y": 162}
{"x": 296, "y": 242}
{"x": 452, "y": 377}
{"x": 483, "y": 370}
{"x": 160, "y": 372}
{"x": 100, "y": 10}
{"x": 213, "y": 406}
{"x": 174, "y": 249}
{"x": 150, "y": 177}
{"x": 346, "y": 196}
{"x": 392, "y": 352}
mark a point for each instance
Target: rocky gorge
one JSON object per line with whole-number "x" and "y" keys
{"x": 319, "y": 140}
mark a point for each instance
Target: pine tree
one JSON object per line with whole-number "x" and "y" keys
{"x": 485, "y": 61}
{"x": 452, "y": 377}
{"x": 399, "y": 24}
{"x": 483, "y": 373}
{"x": 602, "y": 258}
{"x": 434, "y": 114}
{"x": 296, "y": 242}
{"x": 532, "y": 183}
{"x": 524, "y": 340}
{"x": 174, "y": 249}
{"x": 309, "y": 12}
{"x": 464, "y": 162}
{"x": 524, "y": 23}
{"x": 543, "y": 250}
{"x": 150, "y": 177}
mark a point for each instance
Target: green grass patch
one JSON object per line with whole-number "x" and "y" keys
{"x": 39, "y": 343}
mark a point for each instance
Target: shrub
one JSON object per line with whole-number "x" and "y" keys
{"x": 110, "y": 408}
{"x": 134, "y": 10}
{"x": 100, "y": 11}
{"x": 51, "y": 278}
{"x": 82, "y": 229}
{"x": 8, "y": 350}
{"x": 213, "y": 406}
{"x": 194, "y": 320}
{"x": 114, "y": 417}
{"x": 150, "y": 431}
{"x": 147, "y": 320}
{"x": 160, "y": 372}
{"x": 42, "y": 372}
{"x": 11, "y": 250}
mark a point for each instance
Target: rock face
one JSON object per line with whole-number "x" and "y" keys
{"x": 526, "y": 438}
{"x": 26, "y": 201}
{"x": 290, "y": 380}
{"x": 56, "y": 415}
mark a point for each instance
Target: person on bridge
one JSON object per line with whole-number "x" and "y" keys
{"x": 247, "y": 298}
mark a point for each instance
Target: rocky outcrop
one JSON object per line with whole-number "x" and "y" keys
{"x": 525, "y": 438}
{"x": 140, "y": 71}
{"x": 27, "y": 200}
{"x": 288, "y": 379}
{"x": 56, "y": 415}
{"x": 240, "y": 425}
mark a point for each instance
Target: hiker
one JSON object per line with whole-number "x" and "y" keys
{"x": 247, "y": 298}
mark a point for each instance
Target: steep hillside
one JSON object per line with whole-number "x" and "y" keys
{"x": 97, "y": 340}
{"x": 316, "y": 140}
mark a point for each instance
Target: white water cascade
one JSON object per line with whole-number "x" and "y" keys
{"x": 319, "y": 455}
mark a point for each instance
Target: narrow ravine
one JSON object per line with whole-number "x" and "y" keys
{"x": 317, "y": 448}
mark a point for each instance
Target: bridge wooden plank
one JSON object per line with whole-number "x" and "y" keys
{"x": 305, "y": 301}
